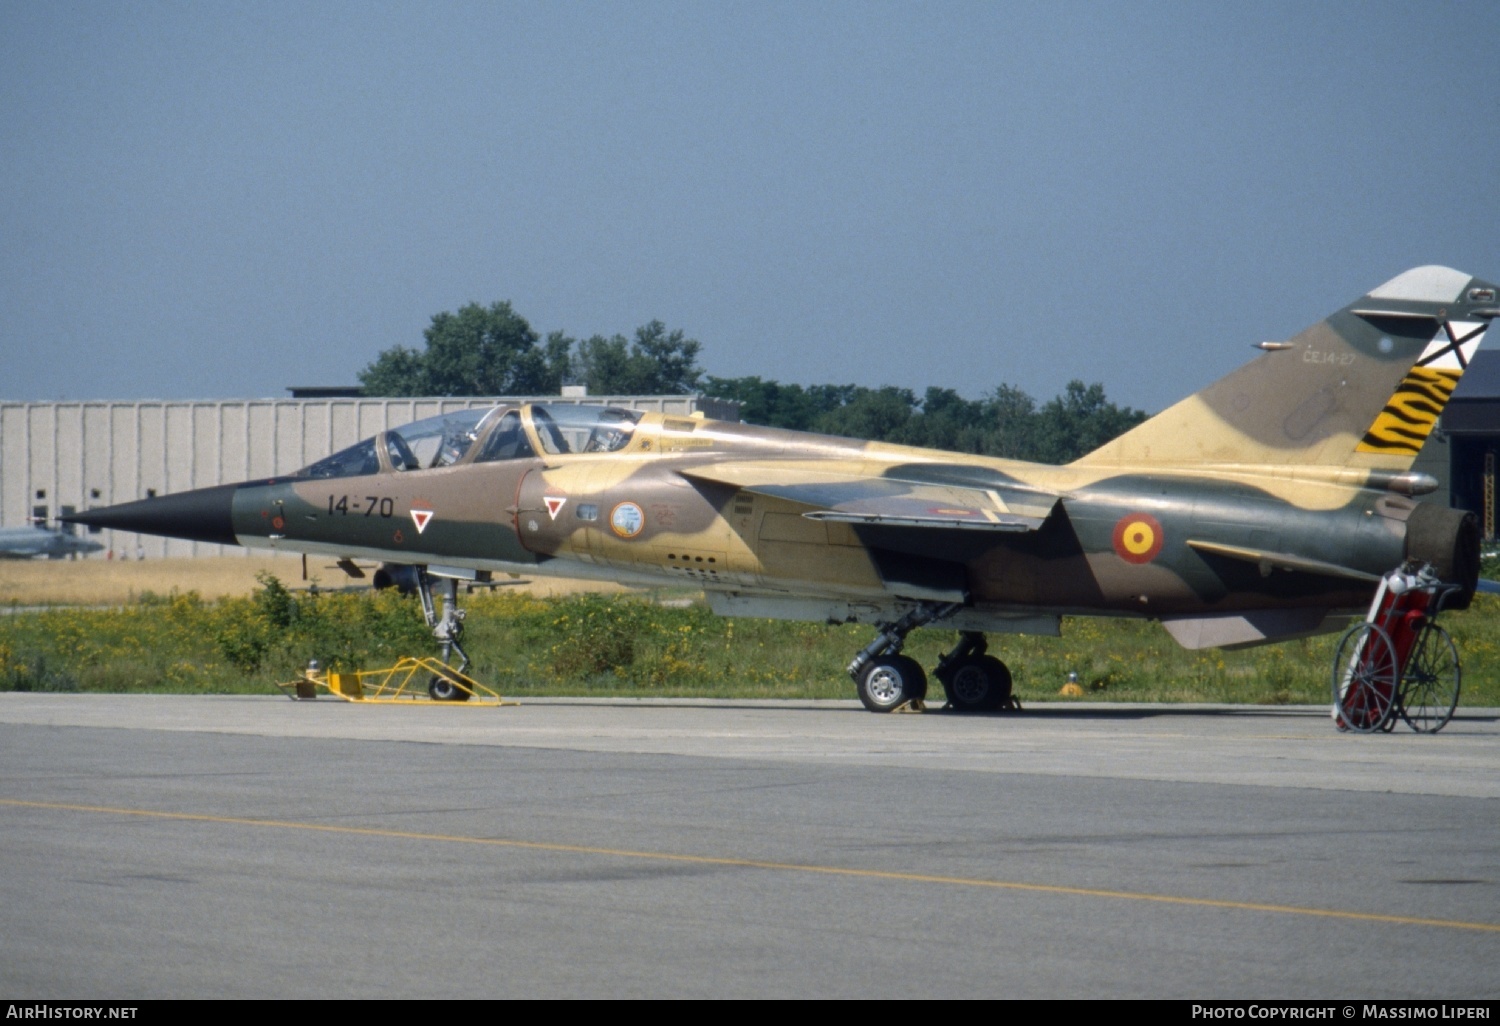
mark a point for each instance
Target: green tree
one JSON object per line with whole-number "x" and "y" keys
{"x": 1007, "y": 422}
{"x": 768, "y": 403}
{"x": 484, "y": 351}
{"x": 1079, "y": 421}
{"x": 882, "y": 414}
{"x": 1010, "y": 424}
{"x": 396, "y": 372}
{"x": 476, "y": 351}
{"x": 559, "y": 356}
{"x": 949, "y": 421}
{"x": 656, "y": 362}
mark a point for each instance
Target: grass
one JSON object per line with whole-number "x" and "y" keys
{"x": 594, "y": 644}
{"x": 95, "y": 581}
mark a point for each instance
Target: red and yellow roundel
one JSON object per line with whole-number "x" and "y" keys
{"x": 1138, "y": 537}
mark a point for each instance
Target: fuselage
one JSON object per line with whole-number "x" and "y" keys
{"x": 658, "y": 509}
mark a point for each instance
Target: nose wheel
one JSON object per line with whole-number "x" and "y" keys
{"x": 441, "y": 689}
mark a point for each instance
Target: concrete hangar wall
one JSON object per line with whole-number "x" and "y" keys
{"x": 62, "y": 456}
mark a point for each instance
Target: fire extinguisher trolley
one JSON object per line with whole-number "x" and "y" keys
{"x": 1398, "y": 662}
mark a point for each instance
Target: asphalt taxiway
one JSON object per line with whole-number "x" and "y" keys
{"x": 256, "y": 847}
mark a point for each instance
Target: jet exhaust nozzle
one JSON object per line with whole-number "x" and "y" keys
{"x": 1449, "y": 540}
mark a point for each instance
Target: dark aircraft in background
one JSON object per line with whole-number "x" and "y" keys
{"x": 1267, "y": 506}
{"x": 36, "y": 540}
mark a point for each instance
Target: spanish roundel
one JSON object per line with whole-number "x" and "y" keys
{"x": 1138, "y": 537}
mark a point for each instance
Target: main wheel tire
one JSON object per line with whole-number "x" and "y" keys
{"x": 441, "y": 689}
{"x": 919, "y": 685}
{"x": 1429, "y": 686}
{"x": 890, "y": 682}
{"x": 1003, "y": 683}
{"x": 1365, "y": 679}
{"x": 978, "y": 684}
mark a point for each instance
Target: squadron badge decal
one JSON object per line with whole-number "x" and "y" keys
{"x": 627, "y": 520}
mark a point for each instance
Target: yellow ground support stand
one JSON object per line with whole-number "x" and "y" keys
{"x": 407, "y": 681}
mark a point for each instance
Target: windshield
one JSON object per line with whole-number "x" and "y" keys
{"x": 574, "y": 429}
{"x": 356, "y": 461}
{"x": 448, "y": 438}
{"x": 433, "y": 442}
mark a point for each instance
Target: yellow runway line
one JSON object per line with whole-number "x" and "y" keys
{"x": 784, "y": 867}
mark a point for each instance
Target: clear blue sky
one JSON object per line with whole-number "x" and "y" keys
{"x": 214, "y": 199}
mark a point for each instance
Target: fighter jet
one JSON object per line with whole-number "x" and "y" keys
{"x": 1265, "y": 507}
{"x": 36, "y": 540}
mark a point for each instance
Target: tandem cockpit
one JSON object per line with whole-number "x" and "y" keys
{"x": 483, "y": 436}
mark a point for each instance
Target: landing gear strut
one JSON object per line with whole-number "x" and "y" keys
{"x": 974, "y": 681}
{"x": 886, "y": 679}
{"x": 447, "y": 629}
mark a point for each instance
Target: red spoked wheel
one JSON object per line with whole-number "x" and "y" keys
{"x": 1365, "y": 679}
{"x": 1429, "y": 686}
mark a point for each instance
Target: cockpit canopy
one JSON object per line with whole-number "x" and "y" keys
{"x": 483, "y": 436}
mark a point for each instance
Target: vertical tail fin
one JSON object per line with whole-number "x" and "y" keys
{"x": 1361, "y": 389}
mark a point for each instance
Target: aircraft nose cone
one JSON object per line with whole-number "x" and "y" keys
{"x": 204, "y": 514}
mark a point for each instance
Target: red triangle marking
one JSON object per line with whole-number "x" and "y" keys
{"x": 420, "y": 517}
{"x": 554, "y": 504}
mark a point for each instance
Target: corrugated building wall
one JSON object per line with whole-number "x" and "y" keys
{"x": 61, "y": 456}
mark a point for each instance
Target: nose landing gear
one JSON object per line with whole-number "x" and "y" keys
{"x": 447, "y": 629}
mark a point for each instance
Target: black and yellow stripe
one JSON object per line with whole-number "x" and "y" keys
{"x": 1407, "y": 420}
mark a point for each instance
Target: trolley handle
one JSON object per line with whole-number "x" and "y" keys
{"x": 1441, "y": 594}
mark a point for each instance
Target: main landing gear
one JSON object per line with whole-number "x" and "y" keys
{"x": 974, "y": 681}
{"x": 447, "y": 629}
{"x": 887, "y": 680}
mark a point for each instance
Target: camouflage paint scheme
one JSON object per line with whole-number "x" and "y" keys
{"x": 1264, "y": 507}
